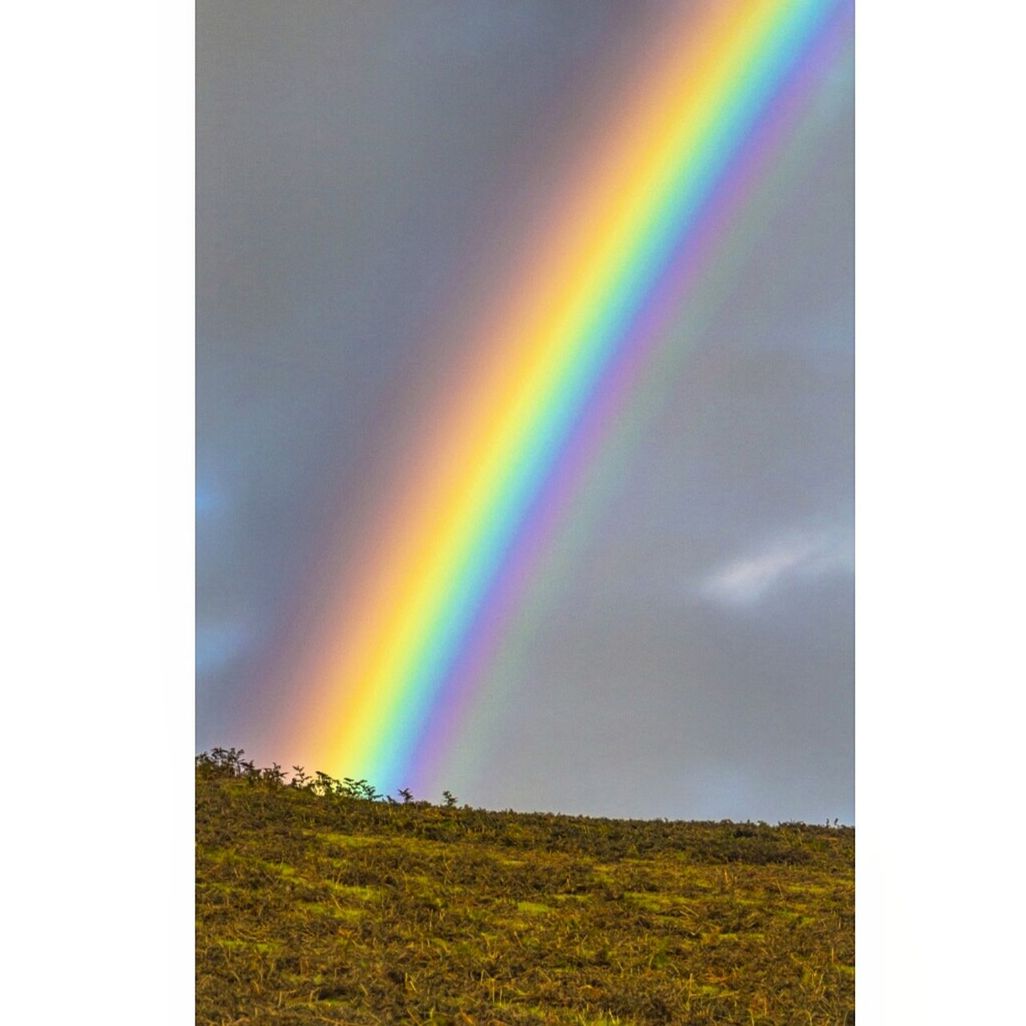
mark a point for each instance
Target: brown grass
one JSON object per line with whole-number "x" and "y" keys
{"x": 325, "y": 909}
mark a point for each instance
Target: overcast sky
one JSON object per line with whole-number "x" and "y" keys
{"x": 694, "y": 656}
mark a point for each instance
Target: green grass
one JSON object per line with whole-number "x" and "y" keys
{"x": 327, "y": 909}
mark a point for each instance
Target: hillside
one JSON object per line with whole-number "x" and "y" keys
{"x": 317, "y": 903}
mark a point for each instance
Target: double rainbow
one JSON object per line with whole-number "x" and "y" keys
{"x": 560, "y": 345}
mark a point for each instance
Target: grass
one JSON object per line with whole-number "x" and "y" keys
{"x": 322, "y": 908}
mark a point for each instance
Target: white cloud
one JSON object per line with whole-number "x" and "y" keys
{"x": 800, "y": 556}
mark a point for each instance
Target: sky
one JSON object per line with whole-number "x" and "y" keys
{"x": 363, "y": 171}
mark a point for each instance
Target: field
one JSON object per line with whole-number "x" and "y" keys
{"x": 318, "y": 902}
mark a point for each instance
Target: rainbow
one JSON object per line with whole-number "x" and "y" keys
{"x": 546, "y": 367}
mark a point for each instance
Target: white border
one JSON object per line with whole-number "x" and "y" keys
{"x": 939, "y": 510}
{"x": 97, "y": 418}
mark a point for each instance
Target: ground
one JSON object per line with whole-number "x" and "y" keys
{"x": 323, "y": 908}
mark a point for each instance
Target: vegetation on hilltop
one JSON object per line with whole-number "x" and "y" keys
{"x": 320, "y": 901}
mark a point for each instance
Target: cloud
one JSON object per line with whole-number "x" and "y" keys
{"x": 755, "y": 576}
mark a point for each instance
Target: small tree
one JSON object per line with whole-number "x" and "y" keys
{"x": 222, "y": 762}
{"x": 326, "y": 785}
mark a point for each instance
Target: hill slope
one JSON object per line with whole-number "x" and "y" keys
{"x": 324, "y": 908}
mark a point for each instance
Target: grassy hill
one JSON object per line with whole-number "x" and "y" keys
{"x": 317, "y": 902}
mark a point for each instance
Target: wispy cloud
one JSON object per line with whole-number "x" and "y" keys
{"x": 748, "y": 580}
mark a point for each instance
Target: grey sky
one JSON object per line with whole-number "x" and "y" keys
{"x": 696, "y": 659}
